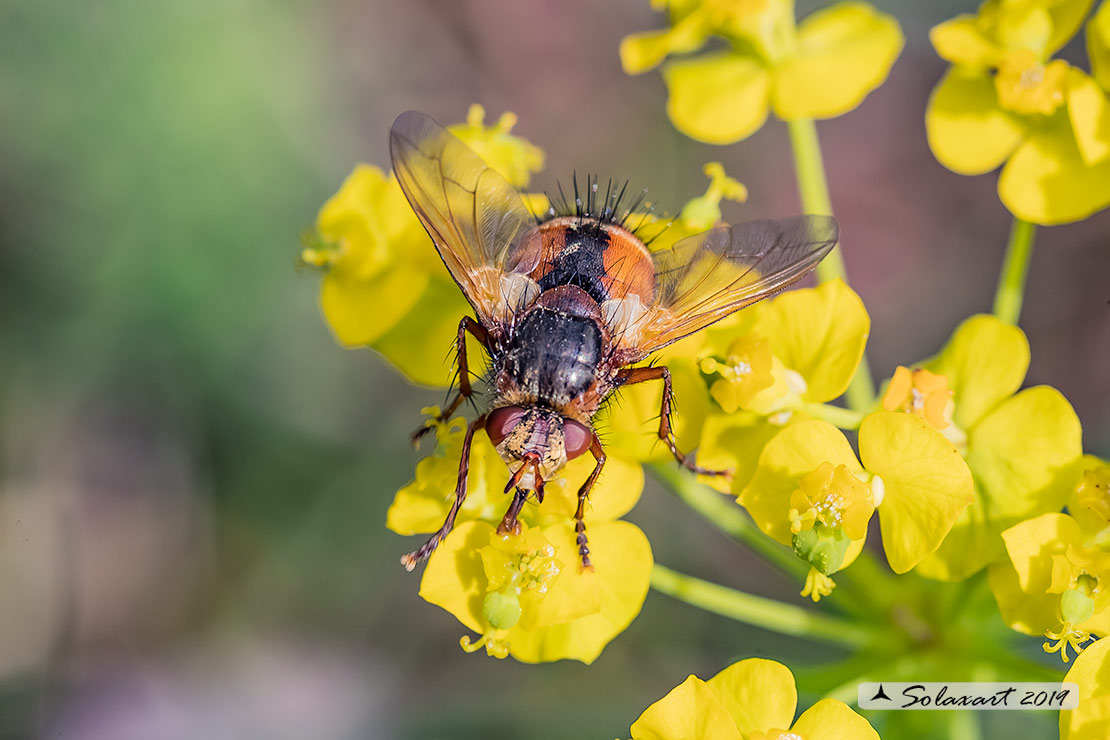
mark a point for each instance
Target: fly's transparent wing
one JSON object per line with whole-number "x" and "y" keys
{"x": 475, "y": 218}
{"x": 704, "y": 278}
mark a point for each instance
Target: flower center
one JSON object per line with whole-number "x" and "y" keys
{"x": 1026, "y": 86}
{"x": 921, "y": 393}
{"x": 834, "y": 497}
{"x": 745, "y": 372}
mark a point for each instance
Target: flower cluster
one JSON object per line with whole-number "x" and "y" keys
{"x": 1006, "y": 101}
{"x": 823, "y": 67}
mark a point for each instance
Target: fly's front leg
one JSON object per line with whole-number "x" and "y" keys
{"x": 630, "y": 376}
{"x": 466, "y": 325}
{"x": 410, "y": 561}
{"x": 580, "y": 515}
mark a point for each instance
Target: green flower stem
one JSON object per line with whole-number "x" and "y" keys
{"x": 1011, "y": 283}
{"x": 814, "y": 191}
{"x": 727, "y": 516}
{"x": 835, "y": 415}
{"x": 766, "y": 613}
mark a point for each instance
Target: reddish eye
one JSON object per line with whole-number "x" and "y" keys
{"x": 576, "y": 437}
{"x": 501, "y": 422}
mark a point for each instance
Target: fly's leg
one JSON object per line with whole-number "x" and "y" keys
{"x": 509, "y": 523}
{"x": 630, "y": 376}
{"x": 410, "y": 560}
{"x": 466, "y": 325}
{"x": 580, "y": 515}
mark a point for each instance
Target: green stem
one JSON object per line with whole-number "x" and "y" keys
{"x": 1011, "y": 283}
{"x": 766, "y": 613}
{"x": 814, "y": 191}
{"x": 835, "y": 415}
{"x": 724, "y": 513}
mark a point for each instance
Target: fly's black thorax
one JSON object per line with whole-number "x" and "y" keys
{"x": 552, "y": 356}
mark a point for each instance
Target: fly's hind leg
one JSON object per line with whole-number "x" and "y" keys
{"x": 466, "y": 325}
{"x": 580, "y": 514}
{"x": 410, "y": 561}
{"x": 634, "y": 375}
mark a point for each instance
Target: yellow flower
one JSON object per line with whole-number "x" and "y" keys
{"x": 810, "y": 491}
{"x": 754, "y": 699}
{"x": 1054, "y": 583}
{"x": 515, "y": 158}
{"x": 526, "y": 595}
{"x": 823, "y": 67}
{"x": 1021, "y": 448}
{"x": 1004, "y": 101}
{"x": 815, "y": 337}
{"x": 1090, "y": 720}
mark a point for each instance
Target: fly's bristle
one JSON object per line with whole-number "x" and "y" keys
{"x": 587, "y": 201}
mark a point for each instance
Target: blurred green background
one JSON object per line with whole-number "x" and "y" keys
{"x": 194, "y": 475}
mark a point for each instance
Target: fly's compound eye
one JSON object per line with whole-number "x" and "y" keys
{"x": 577, "y": 438}
{"x": 502, "y": 421}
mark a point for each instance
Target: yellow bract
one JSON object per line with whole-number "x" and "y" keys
{"x": 823, "y": 67}
{"x": 754, "y": 699}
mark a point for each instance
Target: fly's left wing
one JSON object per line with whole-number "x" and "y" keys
{"x": 704, "y": 278}
{"x": 475, "y": 218}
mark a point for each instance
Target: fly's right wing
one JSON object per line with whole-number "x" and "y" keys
{"x": 703, "y": 278}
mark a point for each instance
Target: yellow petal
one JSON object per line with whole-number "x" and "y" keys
{"x": 1067, "y": 17}
{"x": 717, "y": 98}
{"x": 968, "y": 132}
{"x": 820, "y": 333}
{"x": 1091, "y": 719}
{"x": 734, "y": 442}
{"x": 631, "y": 422}
{"x": 691, "y": 711}
{"x": 1089, "y": 110}
{"x": 759, "y": 694}
{"x": 1032, "y": 543}
{"x": 927, "y": 484}
{"x": 640, "y": 52}
{"x": 796, "y": 451}
{"x": 844, "y": 52}
{"x": 622, "y": 561}
{"x": 830, "y": 719}
{"x": 360, "y": 310}
{"x": 1021, "y": 454}
{"x": 1029, "y": 613}
{"x": 454, "y": 578}
{"x": 961, "y": 41}
{"x": 1047, "y": 182}
{"x": 615, "y": 493}
{"x": 1098, "y": 45}
{"x": 985, "y": 362}
{"x": 420, "y": 344}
